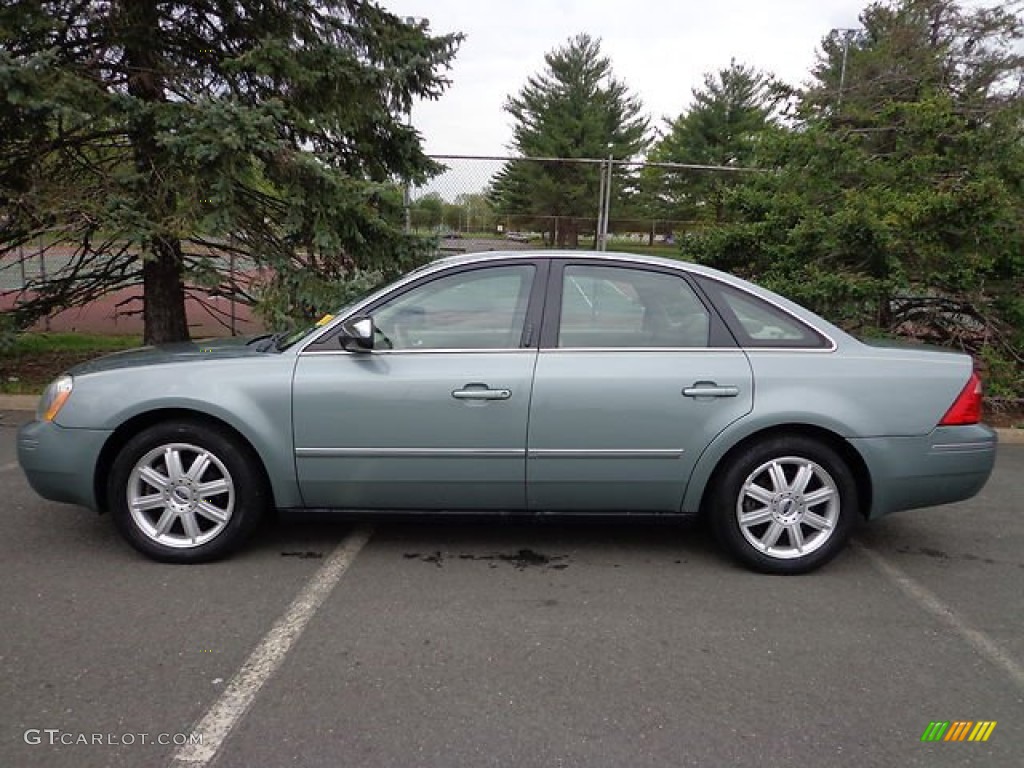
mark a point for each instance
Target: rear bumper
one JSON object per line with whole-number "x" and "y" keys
{"x": 950, "y": 464}
{"x": 60, "y": 463}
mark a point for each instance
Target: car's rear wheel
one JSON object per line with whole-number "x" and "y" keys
{"x": 185, "y": 492}
{"x": 785, "y": 505}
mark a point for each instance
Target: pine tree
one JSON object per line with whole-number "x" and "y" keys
{"x": 152, "y": 138}
{"x": 897, "y": 202}
{"x": 725, "y": 125}
{"x": 575, "y": 108}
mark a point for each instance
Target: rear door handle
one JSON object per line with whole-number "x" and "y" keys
{"x": 710, "y": 389}
{"x": 481, "y": 392}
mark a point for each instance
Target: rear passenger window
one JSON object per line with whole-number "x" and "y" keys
{"x": 629, "y": 308}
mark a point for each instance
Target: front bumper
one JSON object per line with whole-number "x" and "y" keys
{"x": 950, "y": 464}
{"x": 60, "y": 463}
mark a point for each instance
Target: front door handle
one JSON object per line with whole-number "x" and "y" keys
{"x": 481, "y": 392}
{"x": 710, "y": 389}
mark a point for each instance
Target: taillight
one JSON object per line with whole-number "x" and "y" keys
{"x": 966, "y": 409}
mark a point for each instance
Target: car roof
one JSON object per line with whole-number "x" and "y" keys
{"x": 547, "y": 253}
{"x": 533, "y": 255}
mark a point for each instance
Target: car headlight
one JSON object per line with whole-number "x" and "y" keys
{"x": 54, "y": 397}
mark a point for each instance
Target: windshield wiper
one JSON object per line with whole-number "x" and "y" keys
{"x": 267, "y": 341}
{"x": 256, "y": 339}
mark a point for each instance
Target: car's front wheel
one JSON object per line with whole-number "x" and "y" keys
{"x": 785, "y": 505}
{"x": 185, "y": 492}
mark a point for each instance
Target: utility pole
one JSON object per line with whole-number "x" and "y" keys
{"x": 847, "y": 37}
{"x": 606, "y": 204}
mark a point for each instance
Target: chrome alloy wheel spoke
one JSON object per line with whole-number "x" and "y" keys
{"x": 796, "y": 536}
{"x": 756, "y": 517}
{"x": 172, "y": 459}
{"x": 154, "y": 478}
{"x": 760, "y": 494}
{"x": 210, "y": 512}
{"x": 199, "y": 465}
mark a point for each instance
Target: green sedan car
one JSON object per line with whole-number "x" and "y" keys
{"x": 534, "y": 383}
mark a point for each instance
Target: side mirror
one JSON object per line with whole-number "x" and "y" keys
{"x": 357, "y": 334}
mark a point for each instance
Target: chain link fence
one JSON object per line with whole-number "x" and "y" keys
{"x": 478, "y": 203}
{"x": 566, "y": 202}
{"x": 212, "y": 311}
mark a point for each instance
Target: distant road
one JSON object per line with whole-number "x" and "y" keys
{"x": 451, "y": 245}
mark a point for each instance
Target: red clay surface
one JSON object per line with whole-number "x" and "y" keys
{"x": 119, "y": 312}
{"x": 109, "y": 315}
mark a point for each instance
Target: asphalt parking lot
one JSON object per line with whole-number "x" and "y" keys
{"x": 509, "y": 644}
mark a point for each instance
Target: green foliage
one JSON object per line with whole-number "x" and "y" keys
{"x": 1002, "y": 373}
{"x": 900, "y": 209}
{"x": 29, "y": 361}
{"x": 152, "y": 138}
{"x": 575, "y": 108}
{"x": 297, "y": 300}
{"x": 42, "y": 343}
{"x": 475, "y": 213}
{"x": 427, "y": 211}
{"x": 725, "y": 125}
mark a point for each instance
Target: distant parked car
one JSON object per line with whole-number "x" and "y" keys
{"x": 518, "y": 237}
{"x": 530, "y": 383}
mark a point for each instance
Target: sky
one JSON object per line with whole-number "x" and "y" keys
{"x": 660, "y": 48}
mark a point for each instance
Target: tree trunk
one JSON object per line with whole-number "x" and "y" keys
{"x": 164, "y": 294}
{"x": 572, "y": 233}
{"x": 162, "y": 272}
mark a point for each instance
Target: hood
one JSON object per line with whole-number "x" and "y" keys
{"x": 185, "y": 352}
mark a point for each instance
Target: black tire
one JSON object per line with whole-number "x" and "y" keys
{"x": 231, "y": 463}
{"x": 795, "y": 524}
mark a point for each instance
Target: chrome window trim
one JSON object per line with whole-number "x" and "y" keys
{"x": 453, "y": 350}
{"x": 802, "y": 350}
{"x": 567, "y": 350}
{"x": 740, "y": 350}
{"x": 483, "y": 258}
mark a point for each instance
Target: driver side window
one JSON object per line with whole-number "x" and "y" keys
{"x": 481, "y": 308}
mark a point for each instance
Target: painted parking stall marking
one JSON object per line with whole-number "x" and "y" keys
{"x": 979, "y": 641}
{"x": 240, "y": 693}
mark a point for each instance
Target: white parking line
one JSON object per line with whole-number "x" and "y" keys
{"x": 232, "y": 705}
{"x": 978, "y": 640}
{"x": 9, "y": 467}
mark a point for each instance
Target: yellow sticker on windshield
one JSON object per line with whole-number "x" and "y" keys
{"x": 324, "y": 320}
